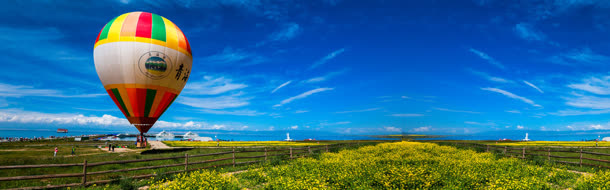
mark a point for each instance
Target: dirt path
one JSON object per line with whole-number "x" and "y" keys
{"x": 158, "y": 145}
{"x": 119, "y": 150}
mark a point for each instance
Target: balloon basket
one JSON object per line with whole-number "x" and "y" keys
{"x": 140, "y": 145}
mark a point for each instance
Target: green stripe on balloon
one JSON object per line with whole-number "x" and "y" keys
{"x": 118, "y": 97}
{"x": 104, "y": 33}
{"x": 158, "y": 28}
{"x": 150, "y": 99}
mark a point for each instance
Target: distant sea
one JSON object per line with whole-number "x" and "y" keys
{"x": 318, "y": 135}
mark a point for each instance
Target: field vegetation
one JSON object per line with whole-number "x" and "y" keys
{"x": 245, "y": 143}
{"x": 400, "y": 165}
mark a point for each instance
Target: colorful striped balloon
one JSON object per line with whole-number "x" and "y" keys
{"x": 143, "y": 61}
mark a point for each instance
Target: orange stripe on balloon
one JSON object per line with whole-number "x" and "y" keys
{"x": 167, "y": 98}
{"x": 116, "y": 101}
{"x": 181, "y": 39}
{"x": 126, "y": 100}
{"x": 130, "y": 25}
{"x": 156, "y": 102}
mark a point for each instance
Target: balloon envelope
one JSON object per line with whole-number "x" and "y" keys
{"x": 143, "y": 61}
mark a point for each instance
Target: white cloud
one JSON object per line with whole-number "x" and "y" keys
{"x": 294, "y": 127}
{"x": 407, "y": 115}
{"x": 577, "y": 112}
{"x": 212, "y": 86}
{"x": 513, "y": 111}
{"x": 220, "y": 102}
{"x": 325, "y": 77}
{"x": 303, "y": 95}
{"x": 357, "y": 111}
{"x": 271, "y": 128}
{"x": 327, "y": 58}
{"x": 528, "y": 32}
{"x": 9, "y": 90}
{"x": 519, "y": 127}
{"x": 404, "y": 97}
{"x": 489, "y": 77}
{"x": 301, "y": 111}
{"x": 281, "y": 86}
{"x": 486, "y": 57}
{"x": 392, "y": 129}
{"x": 458, "y": 111}
{"x": 533, "y": 86}
{"x": 511, "y": 95}
{"x": 421, "y": 129}
{"x": 595, "y": 85}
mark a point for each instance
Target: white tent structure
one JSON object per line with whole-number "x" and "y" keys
{"x": 165, "y": 135}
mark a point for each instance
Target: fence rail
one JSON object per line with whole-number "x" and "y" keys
{"x": 88, "y": 166}
{"x": 532, "y": 152}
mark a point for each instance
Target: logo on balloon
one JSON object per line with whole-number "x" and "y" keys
{"x": 155, "y": 65}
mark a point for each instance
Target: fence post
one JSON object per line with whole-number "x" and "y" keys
{"x": 309, "y": 149}
{"x": 233, "y": 156}
{"x": 265, "y": 153}
{"x": 85, "y": 173}
{"x": 487, "y": 148}
{"x": 523, "y": 155}
{"x": 186, "y": 162}
{"x": 549, "y": 156}
{"x": 505, "y": 147}
{"x": 290, "y": 152}
{"x": 580, "y": 156}
{"x": 326, "y": 148}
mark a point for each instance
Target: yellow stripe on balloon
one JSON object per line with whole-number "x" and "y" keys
{"x": 125, "y": 97}
{"x": 154, "y": 87}
{"x": 115, "y": 30}
{"x": 170, "y": 33}
{"x": 145, "y": 40}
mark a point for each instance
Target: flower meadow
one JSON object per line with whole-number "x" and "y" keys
{"x": 400, "y": 165}
{"x": 240, "y": 143}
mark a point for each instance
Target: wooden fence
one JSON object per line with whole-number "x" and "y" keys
{"x": 567, "y": 155}
{"x": 268, "y": 153}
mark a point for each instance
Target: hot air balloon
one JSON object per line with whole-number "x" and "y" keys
{"x": 143, "y": 60}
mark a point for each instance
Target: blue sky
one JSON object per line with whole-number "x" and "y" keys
{"x": 352, "y": 67}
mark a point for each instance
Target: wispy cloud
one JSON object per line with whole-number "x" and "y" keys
{"x": 230, "y": 56}
{"x": 235, "y": 112}
{"x": 489, "y": 77}
{"x": 335, "y": 123}
{"x": 9, "y": 90}
{"x": 303, "y": 95}
{"x": 220, "y": 102}
{"x": 592, "y": 102}
{"x": 578, "y": 112}
{"x": 511, "y": 95}
{"x": 407, "y": 115}
{"x": 486, "y": 57}
{"x": 212, "y": 86}
{"x": 528, "y": 32}
{"x": 358, "y": 111}
{"x": 458, "y": 111}
{"x": 578, "y": 57}
{"x": 301, "y": 111}
{"x": 513, "y": 111}
{"x": 280, "y": 86}
{"x": 478, "y": 123}
{"x": 325, "y": 77}
{"x": 595, "y": 85}
{"x": 533, "y": 86}
{"x": 327, "y": 58}
{"x": 288, "y": 31}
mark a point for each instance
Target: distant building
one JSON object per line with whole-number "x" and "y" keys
{"x": 287, "y": 137}
{"x": 526, "y": 137}
{"x": 62, "y": 130}
{"x": 606, "y": 139}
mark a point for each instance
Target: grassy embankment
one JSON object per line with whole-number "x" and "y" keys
{"x": 30, "y": 153}
{"x": 401, "y": 165}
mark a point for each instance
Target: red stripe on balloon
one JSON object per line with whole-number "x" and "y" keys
{"x": 144, "y": 25}
{"x": 133, "y": 100}
{"x": 141, "y": 96}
